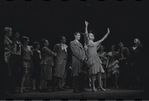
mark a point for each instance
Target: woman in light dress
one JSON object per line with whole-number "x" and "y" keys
{"x": 93, "y": 61}
{"x": 26, "y": 61}
{"x": 112, "y": 65}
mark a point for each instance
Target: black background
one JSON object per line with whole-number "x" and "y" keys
{"x": 39, "y": 19}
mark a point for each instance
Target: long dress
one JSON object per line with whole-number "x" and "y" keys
{"x": 94, "y": 63}
{"x": 61, "y": 60}
{"x": 46, "y": 63}
{"x": 36, "y": 64}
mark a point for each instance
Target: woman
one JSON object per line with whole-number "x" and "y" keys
{"x": 26, "y": 60}
{"x": 36, "y": 65}
{"x": 102, "y": 55}
{"x": 113, "y": 66}
{"x": 94, "y": 63}
{"x": 60, "y": 63}
{"x": 46, "y": 64}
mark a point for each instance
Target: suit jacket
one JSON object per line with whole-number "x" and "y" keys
{"x": 7, "y": 49}
{"x": 78, "y": 53}
{"x": 61, "y": 54}
{"x": 47, "y": 56}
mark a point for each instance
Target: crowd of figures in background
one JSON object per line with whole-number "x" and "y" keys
{"x": 91, "y": 67}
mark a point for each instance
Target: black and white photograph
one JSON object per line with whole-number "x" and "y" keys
{"x": 75, "y": 49}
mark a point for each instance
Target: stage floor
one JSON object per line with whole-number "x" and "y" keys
{"x": 88, "y": 94}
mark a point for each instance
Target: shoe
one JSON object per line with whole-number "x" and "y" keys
{"x": 94, "y": 90}
{"x": 61, "y": 89}
{"x": 76, "y": 91}
{"x": 82, "y": 90}
{"x": 101, "y": 88}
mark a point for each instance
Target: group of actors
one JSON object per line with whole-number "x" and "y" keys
{"x": 90, "y": 64}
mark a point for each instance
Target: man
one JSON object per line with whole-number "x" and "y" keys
{"x": 124, "y": 66}
{"x": 16, "y": 58}
{"x": 60, "y": 63}
{"x": 7, "y": 55}
{"x": 78, "y": 56}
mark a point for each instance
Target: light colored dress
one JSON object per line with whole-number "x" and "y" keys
{"x": 113, "y": 63}
{"x": 94, "y": 63}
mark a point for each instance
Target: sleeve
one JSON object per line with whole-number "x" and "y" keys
{"x": 48, "y": 51}
{"x": 74, "y": 51}
{"x": 55, "y": 49}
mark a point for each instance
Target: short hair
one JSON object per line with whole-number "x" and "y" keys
{"x": 113, "y": 46}
{"x": 43, "y": 40}
{"x": 7, "y": 29}
{"x": 60, "y": 38}
{"x": 35, "y": 44}
{"x": 76, "y": 33}
{"x": 102, "y": 47}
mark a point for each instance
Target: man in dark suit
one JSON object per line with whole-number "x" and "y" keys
{"x": 60, "y": 63}
{"x": 78, "y": 56}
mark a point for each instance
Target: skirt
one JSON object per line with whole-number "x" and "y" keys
{"x": 27, "y": 64}
{"x": 95, "y": 65}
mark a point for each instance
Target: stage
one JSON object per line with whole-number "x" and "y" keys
{"x": 88, "y": 94}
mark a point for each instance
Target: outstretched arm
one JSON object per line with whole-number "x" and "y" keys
{"x": 86, "y": 39}
{"x": 101, "y": 40}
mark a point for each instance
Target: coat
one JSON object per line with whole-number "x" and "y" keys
{"x": 78, "y": 53}
{"x": 60, "y": 61}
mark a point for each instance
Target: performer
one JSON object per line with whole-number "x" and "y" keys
{"x": 7, "y": 55}
{"x": 16, "y": 59}
{"x": 124, "y": 65}
{"x": 93, "y": 62}
{"x": 113, "y": 66}
{"x": 46, "y": 64}
{"x": 102, "y": 55}
{"x": 78, "y": 56}
{"x": 137, "y": 53}
{"x": 26, "y": 61}
{"x": 60, "y": 63}
{"x": 36, "y": 65}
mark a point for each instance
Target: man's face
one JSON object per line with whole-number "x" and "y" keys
{"x": 17, "y": 35}
{"x": 78, "y": 36}
{"x": 63, "y": 40}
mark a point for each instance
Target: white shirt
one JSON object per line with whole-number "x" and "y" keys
{"x": 64, "y": 47}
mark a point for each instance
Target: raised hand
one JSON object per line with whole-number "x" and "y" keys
{"x": 108, "y": 31}
{"x": 86, "y": 23}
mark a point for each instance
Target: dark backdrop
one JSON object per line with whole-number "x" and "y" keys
{"x": 39, "y": 19}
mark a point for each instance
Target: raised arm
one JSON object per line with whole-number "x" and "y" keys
{"x": 101, "y": 40}
{"x": 86, "y": 39}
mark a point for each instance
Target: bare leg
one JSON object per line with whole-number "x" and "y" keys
{"x": 34, "y": 84}
{"x": 93, "y": 83}
{"x": 22, "y": 83}
{"x": 99, "y": 82}
{"x": 116, "y": 77}
{"x": 45, "y": 84}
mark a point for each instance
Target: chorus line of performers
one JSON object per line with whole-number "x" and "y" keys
{"x": 91, "y": 66}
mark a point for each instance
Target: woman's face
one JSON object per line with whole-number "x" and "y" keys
{"x": 38, "y": 46}
{"x": 27, "y": 41}
{"x": 91, "y": 36}
{"x": 102, "y": 48}
{"x": 121, "y": 45}
{"x": 46, "y": 43}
